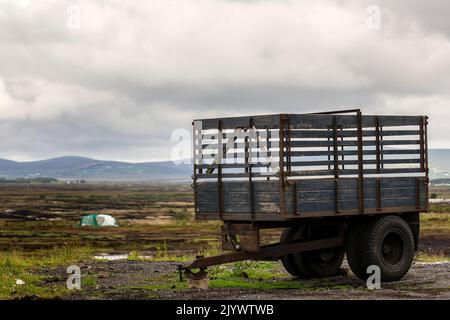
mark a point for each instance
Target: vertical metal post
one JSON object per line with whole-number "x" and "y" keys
{"x": 329, "y": 149}
{"x": 288, "y": 158}
{"x": 294, "y": 190}
{"x": 381, "y": 148}
{"x": 378, "y": 148}
{"x": 417, "y": 193}
{"x": 281, "y": 164}
{"x": 219, "y": 168}
{"x": 269, "y": 146}
{"x": 246, "y": 154}
{"x": 342, "y": 149}
{"x": 235, "y": 147}
{"x": 360, "y": 162}
{"x": 194, "y": 160}
{"x": 197, "y": 146}
{"x": 378, "y": 157}
{"x": 288, "y": 146}
{"x": 336, "y": 166}
{"x": 422, "y": 145}
{"x": 335, "y": 149}
{"x": 427, "y": 204}
{"x": 426, "y": 145}
{"x": 248, "y": 144}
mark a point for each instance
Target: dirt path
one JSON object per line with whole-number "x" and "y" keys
{"x": 136, "y": 280}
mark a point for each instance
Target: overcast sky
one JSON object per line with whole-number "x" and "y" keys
{"x": 111, "y": 80}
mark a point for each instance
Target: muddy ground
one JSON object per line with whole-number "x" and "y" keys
{"x": 157, "y": 220}
{"x": 132, "y": 280}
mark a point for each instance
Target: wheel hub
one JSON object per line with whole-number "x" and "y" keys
{"x": 392, "y": 248}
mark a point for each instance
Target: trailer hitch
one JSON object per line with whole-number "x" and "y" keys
{"x": 199, "y": 275}
{"x": 268, "y": 252}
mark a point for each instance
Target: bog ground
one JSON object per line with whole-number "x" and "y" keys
{"x": 39, "y": 238}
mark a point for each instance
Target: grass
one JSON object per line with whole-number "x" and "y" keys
{"x": 435, "y": 223}
{"x": 262, "y": 270}
{"x": 435, "y": 217}
{"x": 17, "y": 265}
{"x": 440, "y": 208}
{"x": 264, "y": 275}
{"x": 89, "y": 281}
{"x": 181, "y": 215}
{"x": 163, "y": 254}
{"x": 244, "y": 275}
{"x": 425, "y": 257}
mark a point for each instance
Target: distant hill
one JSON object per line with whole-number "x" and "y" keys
{"x": 440, "y": 181}
{"x": 439, "y": 162}
{"x": 80, "y": 168}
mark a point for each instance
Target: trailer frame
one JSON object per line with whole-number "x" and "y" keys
{"x": 343, "y": 136}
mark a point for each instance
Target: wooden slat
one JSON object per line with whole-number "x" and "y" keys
{"x": 243, "y": 197}
{"x": 324, "y": 143}
{"x": 304, "y": 173}
{"x": 308, "y": 206}
{"x": 264, "y": 186}
{"x": 353, "y": 204}
{"x": 233, "y": 165}
{"x": 310, "y": 121}
{"x": 353, "y": 171}
{"x": 312, "y": 153}
{"x": 322, "y": 195}
{"x": 267, "y": 217}
{"x": 260, "y": 122}
{"x": 351, "y": 162}
{"x": 350, "y": 133}
{"x": 306, "y": 163}
{"x": 351, "y": 183}
{"x": 235, "y": 175}
{"x": 352, "y": 194}
{"x": 237, "y": 186}
{"x": 244, "y": 207}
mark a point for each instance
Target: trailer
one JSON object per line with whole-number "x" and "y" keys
{"x": 338, "y": 183}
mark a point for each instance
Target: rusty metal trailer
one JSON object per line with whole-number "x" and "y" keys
{"x": 337, "y": 182}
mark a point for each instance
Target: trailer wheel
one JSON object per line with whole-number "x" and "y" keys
{"x": 320, "y": 263}
{"x": 292, "y": 262}
{"x": 288, "y": 260}
{"x": 323, "y": 263}
{"x": 388, "y": 243}
{"x": 353, "y": 250}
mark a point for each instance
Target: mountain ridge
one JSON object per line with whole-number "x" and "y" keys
{"x": 76, "y": 167}
{"x": 85, "y": 168}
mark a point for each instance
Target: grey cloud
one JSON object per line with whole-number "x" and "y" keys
{"x": 118, "y": 87}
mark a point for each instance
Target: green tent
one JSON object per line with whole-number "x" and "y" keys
{"x": 97, "y": 220}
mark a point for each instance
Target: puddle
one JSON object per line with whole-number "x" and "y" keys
{"x": 111, "y": 257}
{"x": 118, "y": 256}
{"x": 421, "y": 263}
{"x": 439, "y": 201}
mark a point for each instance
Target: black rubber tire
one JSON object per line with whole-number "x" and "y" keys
{"x": 310, "y": 263}
{"x": 298, "y": 257}
{"x": 353, "y": 249}
{"x": 288, "y": 260}
{"x": 323, "y": 263}
{"x": 388, "y": 243}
